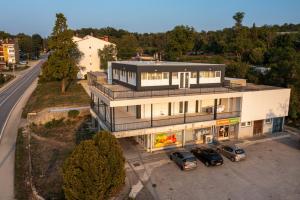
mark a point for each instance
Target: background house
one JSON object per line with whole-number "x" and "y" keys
{"x": 89, "y": 47}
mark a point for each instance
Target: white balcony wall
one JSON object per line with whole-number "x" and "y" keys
{"x": 193, "y": 80}
{"x": 175, "y": 81}
{"x": 203, "y": 80}
{"x": 160, "y": 82}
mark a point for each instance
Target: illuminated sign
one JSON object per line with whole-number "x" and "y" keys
{"x": 223, "y": 122}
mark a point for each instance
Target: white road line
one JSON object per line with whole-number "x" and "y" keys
{"x": 29, "y": 77}
{"x": 10, "y": 112}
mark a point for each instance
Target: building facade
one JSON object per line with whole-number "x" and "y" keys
{"x": 169, "y": 104}
{"x": 89, "y": 47}
{"x": 10, "y": 48}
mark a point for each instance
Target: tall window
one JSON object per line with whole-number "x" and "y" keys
{"x": 194, "y": 75}
{"x": 181, "y": 107}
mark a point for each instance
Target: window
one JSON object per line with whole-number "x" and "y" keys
{"x": 207, "y": 74}
{"x": 174, "y": 75}
{"x": 165, "y": 75}
{"x": 246, "y": 124}
{"x": 181, "y": 107}
{"x": 90, "y": 63}
{"x": 218, "y": 73}
{"x": 90, "y": 47}
{"x": 144, "y": 75}
{"x": 268, "y": 121}
{"x": 194, "y": 74}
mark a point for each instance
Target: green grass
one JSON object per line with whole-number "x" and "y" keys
{"x": 48, "y": 94}
{"x": 22, "y": 189}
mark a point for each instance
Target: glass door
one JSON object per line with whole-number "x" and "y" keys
{"x": 184, "y": 81}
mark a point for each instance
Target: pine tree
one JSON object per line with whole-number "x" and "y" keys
{"x": 62, "y": 63}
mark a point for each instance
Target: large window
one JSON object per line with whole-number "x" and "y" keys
{"x": 155, "y": 75}
{"x": 167, "y": 139}
{"x": 194, "y": 75}
{"x": 207, "y": 74}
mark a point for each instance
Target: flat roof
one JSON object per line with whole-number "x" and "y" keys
{"x": 164, "y": 63}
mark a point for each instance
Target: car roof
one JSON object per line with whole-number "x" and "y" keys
{"x": 185, "y": 154}
{"x": 235, "y": 147}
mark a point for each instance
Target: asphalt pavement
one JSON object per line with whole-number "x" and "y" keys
{"x": 12, "y": 100}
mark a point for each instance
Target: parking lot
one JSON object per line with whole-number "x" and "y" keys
{"x": 271, "y": 171}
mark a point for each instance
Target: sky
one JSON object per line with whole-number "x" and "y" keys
{"x": 38, "y": 16}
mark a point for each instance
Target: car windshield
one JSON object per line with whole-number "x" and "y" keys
{"x": 191, "y": 159}
{"x": 239, "y": 151}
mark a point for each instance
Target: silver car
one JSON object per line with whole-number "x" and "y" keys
{"x": 234, "y": 153}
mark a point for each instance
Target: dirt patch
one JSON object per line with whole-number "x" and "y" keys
{"x": 50, "y": 145}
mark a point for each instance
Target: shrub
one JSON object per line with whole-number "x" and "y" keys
{"x": 73, "y": 113}
{"x": 54, "y": 123}
{"x": 95, "y": 169}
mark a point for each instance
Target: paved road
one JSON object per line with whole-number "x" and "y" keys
{"x": 9, "y": 97}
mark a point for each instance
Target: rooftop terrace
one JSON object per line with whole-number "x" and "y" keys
{"x": 164, "y": 63}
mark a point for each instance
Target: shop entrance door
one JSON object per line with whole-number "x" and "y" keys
{"x": 258, "y": 127}
{"x": 184, "y": 78}
{"x": 277, "y": 124}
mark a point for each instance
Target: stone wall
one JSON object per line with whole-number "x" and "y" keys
{"x": 55, "y": 113}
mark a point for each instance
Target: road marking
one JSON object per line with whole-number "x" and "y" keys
{"x": 10, "y": 112}
{"x": 29, "y": 77}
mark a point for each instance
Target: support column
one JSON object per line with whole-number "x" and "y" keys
{"x": 110, "y": 114}
{"x": 183, "y": 137}
{"x": 151, "y": 115}
{"x": 215, "y": 109}
{"x": 113, "y": 120}
{"x": 98, "y": 105}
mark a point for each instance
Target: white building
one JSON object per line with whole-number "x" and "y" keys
{"x": 169, "y": 104}
{"x": 89, "y": 47}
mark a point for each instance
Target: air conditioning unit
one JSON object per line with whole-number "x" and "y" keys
{"x": 208, "y": 139}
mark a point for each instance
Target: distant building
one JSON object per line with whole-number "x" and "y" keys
{"x": 10, "y": 49}
{"x": 261, "y": 70}
{"x": 89, "y": 47}
{"x": 2, "y": 62}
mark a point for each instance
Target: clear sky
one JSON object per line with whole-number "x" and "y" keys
{"x": 37, "y": 16}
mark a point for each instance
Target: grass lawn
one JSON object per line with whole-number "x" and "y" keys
{"x": 48, "y": 94}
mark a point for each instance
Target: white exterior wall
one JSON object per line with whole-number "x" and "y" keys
{"x": 267, "y": 128}
{"x": 160, "y": 82}
{"x": 203, "y": 80}
{"x": 245, "y": 132}
{"x": 90, "y": 60}
{"x": 257, "y": 105}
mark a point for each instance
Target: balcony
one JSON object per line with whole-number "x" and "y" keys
{"x": 118, "y": 92}
{"x": 125, "y": 121}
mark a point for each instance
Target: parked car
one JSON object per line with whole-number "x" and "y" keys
{"x": 208, "y": 156}
{"x": 232, "y": 152}
{"x": 184, "y": 159}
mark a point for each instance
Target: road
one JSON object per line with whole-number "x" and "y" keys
{"x": 12, "y": 99}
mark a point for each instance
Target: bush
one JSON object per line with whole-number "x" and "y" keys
{"x": 95, "y": 169}
{"x": 54, "y": 123}
{"x": 73, "y": 113}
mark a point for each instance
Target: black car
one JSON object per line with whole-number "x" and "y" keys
{"x": 208, "y": 156}
{"x": 184, "y": 159}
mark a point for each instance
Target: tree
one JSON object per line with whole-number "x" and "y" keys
{"x": 62, "y": 64}
{"x": 95, "y": 169}
{"x": 37, "y": 45}
{"x": 179, "y": 41}
{"x": 238, "y": 17}
{"x": 108, "y": 53}
{"x": 237, "y": 70}
{"x": 25, "y": 45}
{"x": 127, "y": 46}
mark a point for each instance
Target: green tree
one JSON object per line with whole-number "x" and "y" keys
{"x": 95, "y": 169}
{"x": 180, "y": 40}
{"x": 238, "y": 17}
{"x": 37, "y": 45}
{"x": 127, "y": 46}
{"x": 62, "y": 63}
{"x": 25, "y": 45}
{"x": 237, "y": 70}
{"x": 108, "y": 53}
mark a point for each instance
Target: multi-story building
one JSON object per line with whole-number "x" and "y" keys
{"x": 10, "y": 51}
{"x": 89, "y": 47}
{"x": 169, "y": 104}
{"x": 2, "y": 62}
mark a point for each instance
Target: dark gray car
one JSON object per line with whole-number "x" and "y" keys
{"x": 232, "y": 152}
{"x": 184, "y": 159}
